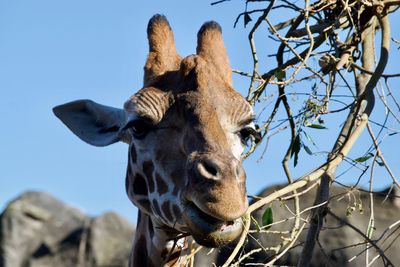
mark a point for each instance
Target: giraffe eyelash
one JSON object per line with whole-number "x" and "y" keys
{"x": 139, "y": 127}
{"x": 248, "y": 133}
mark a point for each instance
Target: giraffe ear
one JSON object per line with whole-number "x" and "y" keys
{"x": 210, "y": 47}
{"x": 162, "y": 52}
{"x": 95, "y": 124}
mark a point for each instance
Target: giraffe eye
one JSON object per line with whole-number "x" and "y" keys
{"x": 139, "y": 128}
{"x": 248, "y": 133}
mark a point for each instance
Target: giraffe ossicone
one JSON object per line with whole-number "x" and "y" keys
{"x": 186, "y": 130}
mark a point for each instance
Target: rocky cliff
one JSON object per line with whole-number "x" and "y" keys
{"x": 37, "y": 230}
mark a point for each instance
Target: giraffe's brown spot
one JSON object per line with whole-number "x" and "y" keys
{"x": 167, "y": 212}
{"x": 145, "y": 204}
{"x": 127, "y": 181}
{"x": 156, "y": 208}
{"x": 140, "y": 258}
{"x": 148, "y": 168}
{"x": 129, "y": 171}
{"x": 129, "y": 175}
{"x": 159, "y": 155}
{"x": 132, "y": 153}
{"x": 175, "y": 191}
{"x": 139, "y": 185}
{"x": 162, "y": 186}
{"x": 176, "y": 211}
{"x": 151, "y": 229}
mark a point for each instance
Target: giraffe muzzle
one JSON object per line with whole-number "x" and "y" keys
{"x": 210, "y": 231}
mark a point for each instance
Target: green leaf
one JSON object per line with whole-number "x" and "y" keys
{"x": 247, "y": 19}
{"x": 308, "y": 137}
{"x": 379, "y": 162}
{"x": 307, "y": 149}
{"x": 267, "y": 217}
{"x": 296, "y": 149}
{"x": 280, "y": 74}
{"x": 363, "y": 159}
{"x": 316, "y": 126}
{"x": 314, "y": 87}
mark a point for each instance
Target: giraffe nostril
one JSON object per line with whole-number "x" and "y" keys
{"x": 207, "y": 169}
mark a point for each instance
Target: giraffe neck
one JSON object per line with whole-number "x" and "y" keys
{"x": 153, "y": 246}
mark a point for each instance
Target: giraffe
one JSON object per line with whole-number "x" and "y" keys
{"x": 186, "y": 130}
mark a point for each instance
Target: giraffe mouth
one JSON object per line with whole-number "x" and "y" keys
{"x": 208, "y": 230}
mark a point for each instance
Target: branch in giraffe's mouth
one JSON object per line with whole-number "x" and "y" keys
{"x": 209, "y": 231}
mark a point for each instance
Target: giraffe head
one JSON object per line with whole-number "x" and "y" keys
{"x": 186, "y": 130}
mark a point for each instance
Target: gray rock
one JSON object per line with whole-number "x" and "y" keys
{"x": 37, "y": 230}
{"x": 111, "y": 240}
{"x": 32, "y": 223}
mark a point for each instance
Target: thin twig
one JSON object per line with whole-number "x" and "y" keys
{"x": 381, "y": 253}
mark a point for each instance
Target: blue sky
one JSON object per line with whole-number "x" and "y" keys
{"x": 52, "y": 52}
